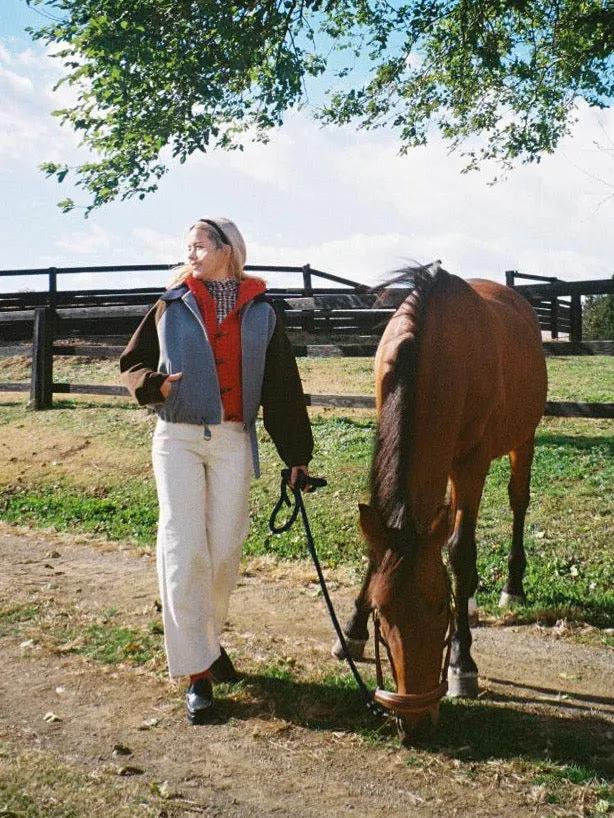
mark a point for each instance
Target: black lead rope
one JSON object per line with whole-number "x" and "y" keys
{"x": 313, "y": 483}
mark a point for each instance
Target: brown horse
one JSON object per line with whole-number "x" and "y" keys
{"x": 460, "y": 380}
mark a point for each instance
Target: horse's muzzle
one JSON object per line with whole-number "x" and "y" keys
{"x": 416, "y": 729}
{"x": 416, "y": 714}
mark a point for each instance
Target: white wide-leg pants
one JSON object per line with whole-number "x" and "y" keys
{"x": 203, "y": 477}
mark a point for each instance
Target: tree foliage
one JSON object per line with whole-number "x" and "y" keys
{"x": 498, "y": 79}
{"x": 598, "y": 318}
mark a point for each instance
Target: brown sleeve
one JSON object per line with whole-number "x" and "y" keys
{"x": 283, "y": 402}
{"x": 138, "y": 363}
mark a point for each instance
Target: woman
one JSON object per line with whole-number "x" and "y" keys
{"x": 205, "y": 357}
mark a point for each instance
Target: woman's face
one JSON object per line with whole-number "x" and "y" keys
{"x": 206, "y": 260}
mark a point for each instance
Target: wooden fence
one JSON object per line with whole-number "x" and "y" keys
{"x": 322, "y": 322}
{"x": 558, "y": 304}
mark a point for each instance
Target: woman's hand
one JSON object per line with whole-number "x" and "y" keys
{"x": 165, "y": 386}
{"x": 294, "y": 473}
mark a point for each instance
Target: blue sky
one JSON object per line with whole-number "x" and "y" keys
{"x": 344, "y": 201}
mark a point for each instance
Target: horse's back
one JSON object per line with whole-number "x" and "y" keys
{"x": 516, "y": 337}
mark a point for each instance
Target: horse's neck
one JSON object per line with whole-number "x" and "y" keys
{"x": 438, "y": 405}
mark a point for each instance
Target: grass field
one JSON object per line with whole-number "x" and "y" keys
{"x": 84, "y": 466}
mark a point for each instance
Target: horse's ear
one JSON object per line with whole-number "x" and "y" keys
{"x": 373, "y": 529}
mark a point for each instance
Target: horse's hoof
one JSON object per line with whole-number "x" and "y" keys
{"x": 356, "y": 648}
{"x": 505, "y": 600}
{"x": 462, "y": 684}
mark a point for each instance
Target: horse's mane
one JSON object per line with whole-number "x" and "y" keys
{"x": 394, "y": 439}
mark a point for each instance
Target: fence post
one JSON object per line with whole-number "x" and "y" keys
{"x": 41, "y": 384}
{"x": 307, "y": 285}
{"x": 509, "y": 277}
{"x": 53, "y": 286}
{"x": 554, "y": 318}
{"x": 575, "y": 333}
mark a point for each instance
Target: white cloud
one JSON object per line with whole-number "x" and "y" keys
{"x": 341, "y": 200}
{"x": 90, "y": 241}
{"x": 15, "y": 82}
{"x": 273, "y": 168}
{"x": 5, "y": 55}
{"x": 28, "y": 133}
{"x": 28, "y": 57}
{"x": 152, "y": 244}
{"x": 347, "y": 202}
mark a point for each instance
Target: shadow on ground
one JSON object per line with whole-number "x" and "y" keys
{"x": 498, "y": 727}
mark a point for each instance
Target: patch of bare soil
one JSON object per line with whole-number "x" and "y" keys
{"x": 121, "y": 734}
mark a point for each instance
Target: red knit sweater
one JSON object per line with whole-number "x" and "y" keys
{"x": 225, "y": 340}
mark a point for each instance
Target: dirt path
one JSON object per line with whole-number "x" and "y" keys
{"x": 260, "y": 760}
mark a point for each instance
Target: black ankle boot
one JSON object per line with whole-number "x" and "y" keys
{"x": 199, "y": 702}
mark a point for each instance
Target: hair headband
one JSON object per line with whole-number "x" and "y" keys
{"x": 218, "y": 230}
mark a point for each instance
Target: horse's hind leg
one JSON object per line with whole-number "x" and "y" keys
{"x": 355, "y": 631}
{"x": 518, "y": 490}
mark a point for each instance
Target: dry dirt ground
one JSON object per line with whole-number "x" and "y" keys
{"x": 65, "y": 720}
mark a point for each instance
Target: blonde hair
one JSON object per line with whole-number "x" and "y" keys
{"x": 223, "y": 233}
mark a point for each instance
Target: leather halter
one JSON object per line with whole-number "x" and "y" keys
{"x": 411, "y": 704}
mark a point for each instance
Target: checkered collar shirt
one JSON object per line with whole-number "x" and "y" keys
{"x": 224, "y": 292}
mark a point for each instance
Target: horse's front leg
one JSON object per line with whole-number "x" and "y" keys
{"x": 466, "y": 495}
{"x": 356, "y": 632}
{"x": 463, "y": 671}
{"x": 519, "y": 495}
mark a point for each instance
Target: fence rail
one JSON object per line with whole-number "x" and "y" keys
{"x": 339, "y": 321}
{"x": 555, "y": 314}
{"x": 42, "y": 387}
{"x": 566, "y": 409}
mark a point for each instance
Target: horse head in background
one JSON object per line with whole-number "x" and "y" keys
{"x": 460, "y": 380}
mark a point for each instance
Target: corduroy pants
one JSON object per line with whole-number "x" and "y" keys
{"x": 203, "y": 477}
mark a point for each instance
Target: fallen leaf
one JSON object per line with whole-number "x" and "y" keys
{"x": 129, "y": 770}
{"x": 149, "y": 723}
{"x": 164, "y": 790}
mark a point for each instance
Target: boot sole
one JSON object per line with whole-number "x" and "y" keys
{"x": 201, "y": 716}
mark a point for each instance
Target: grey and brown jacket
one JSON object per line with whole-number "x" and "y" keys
{"x": 173, "y": 338}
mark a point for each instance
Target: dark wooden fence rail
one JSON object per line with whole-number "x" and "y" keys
{"x": 346, "y": 318}
{"x": 558, "y": 304}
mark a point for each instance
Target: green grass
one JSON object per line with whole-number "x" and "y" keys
{"x": 588, "y": 379}
{"x": 101, "y": 639}
{"x": 11, "y": 618}
{"x": 113, "y": 644}
{"x": 568, "y": 533}
{"x": 126, "y": 512}
{"x": 569, "y": 527}
{"x": 15, "y": 803}
{"x": 584, "y": 378}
